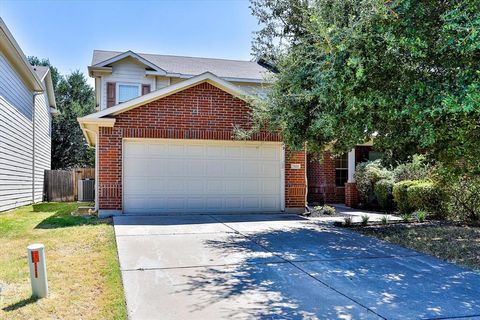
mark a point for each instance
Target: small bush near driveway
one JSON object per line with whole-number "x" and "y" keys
{"x": 454, "y": 242}
{"x": 82, "y": 267}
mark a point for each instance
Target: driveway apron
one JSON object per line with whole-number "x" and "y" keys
{"x": 279, "y": 266}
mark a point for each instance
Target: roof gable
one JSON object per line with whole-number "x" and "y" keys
{"x": 127, "y": 54}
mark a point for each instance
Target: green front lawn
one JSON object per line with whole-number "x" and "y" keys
{"x": 82, "y": 265}
{"x": 449, "y": 241}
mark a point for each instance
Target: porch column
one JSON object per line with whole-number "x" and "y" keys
{"x": 351, "y": 165}
{"x": 351, "y": 192}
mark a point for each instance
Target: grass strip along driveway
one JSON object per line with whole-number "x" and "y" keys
{"x": 82, "y": 266}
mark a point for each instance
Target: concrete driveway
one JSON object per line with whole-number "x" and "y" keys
{"x": 281, "y": 267}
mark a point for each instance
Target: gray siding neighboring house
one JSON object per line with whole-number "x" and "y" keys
{"x": 26, "y": 104}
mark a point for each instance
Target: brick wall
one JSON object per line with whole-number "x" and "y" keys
{"x": 321, "y": 177}
{"x": 295, "y": 188}
{"x": 200, "y": 112}
{"x": 321, "y": 180}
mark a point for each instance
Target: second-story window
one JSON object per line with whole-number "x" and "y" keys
{"x": 127, "y": 92}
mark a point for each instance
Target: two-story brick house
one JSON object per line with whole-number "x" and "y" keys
{"x": 165, "y": 142}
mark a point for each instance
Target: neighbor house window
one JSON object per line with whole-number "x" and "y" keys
{"x": 127, "y": 92}
{"x": 341, "y": 170}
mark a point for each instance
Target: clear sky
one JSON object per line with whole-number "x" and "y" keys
{"x": 67, "y": 32}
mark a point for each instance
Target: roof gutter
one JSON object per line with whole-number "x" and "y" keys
{"x": 12, "y": 51}
{"x": 90, "y": 127}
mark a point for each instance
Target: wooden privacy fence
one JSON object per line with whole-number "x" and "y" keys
{"x": 62, "y": 185}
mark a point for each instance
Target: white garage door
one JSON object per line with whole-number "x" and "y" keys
{"x": 201, "y": 176}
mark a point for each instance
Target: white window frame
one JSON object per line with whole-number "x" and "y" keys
{"x": 117, "y": 95}
{"x": 342, "y": 169}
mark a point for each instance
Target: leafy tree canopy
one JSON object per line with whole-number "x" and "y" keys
{"x": 406, "y": 72}
{"x": 75, "y": 98}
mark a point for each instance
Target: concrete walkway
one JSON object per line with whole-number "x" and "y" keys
{"x": 280, "y": 267}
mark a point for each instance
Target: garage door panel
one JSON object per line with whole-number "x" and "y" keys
{"x": 232, "y": 168}
{"x": 214, "y": 176}
{"x": 176, "y": 150}
{"x": 196, "y": 168}
{"x": 269, "y": 186}
{"x": 269, "y": 153}
{"x": 233, "y": 152}
{"x": 214, "y": 203}
{"x": 154, "y": 186}
{"x": 137, "y": 186}
{"x": 269, "y": 202}
{"x": 270, "y": 169}
{"x": 234, "y": 187}
{"x": 251, "y": 203}
{"x": 135, "y": 149}
{"x": 251, "y": 168}
{"x": 174, "y": 186}
{"x": 215, "y": 186}
{"x": 252, "y": 186}
{"x": 195, "y": 203}
{"x": 156, "y": 149}
{"x": 195, "y": 151}
{"x": 195, "y": 186}
{"x": 215, "y": 151}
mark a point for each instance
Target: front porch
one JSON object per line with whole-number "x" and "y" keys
{"x": 332, "y": 179}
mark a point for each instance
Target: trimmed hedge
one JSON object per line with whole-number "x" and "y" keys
{"x": 414, "y": 195}
{"x": 400, "y": 195}
{"x": 424, "y": 195}
{"x": 383, "y": 192}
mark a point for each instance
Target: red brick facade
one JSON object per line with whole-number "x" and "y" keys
{"x": 351, "y": 194}
{"x": 200, "y": 112}
{"x": 321, "y": 179}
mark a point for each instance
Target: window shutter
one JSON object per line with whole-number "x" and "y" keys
{"x": 111, "y": 96}
{"x": 145, "y": 89}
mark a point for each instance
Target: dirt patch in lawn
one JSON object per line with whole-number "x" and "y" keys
{"x": 458, "y": 243}
{"x": 82, "y": 266}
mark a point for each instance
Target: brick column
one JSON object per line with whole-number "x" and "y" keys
{"x": 351, "y": 194}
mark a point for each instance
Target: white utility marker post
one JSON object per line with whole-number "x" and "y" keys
{"x": 38, "y": 270}
{"x": 351, "y": 165}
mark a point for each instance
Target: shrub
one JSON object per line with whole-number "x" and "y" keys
{"x": 461, "y": 196}
{"x": 384, "y": 220}
{"x": 383, "y": 193}
{"x": 417, "y": 169}
{"x": 400, "y": 195}
{"x": 327, "y": 210}
{"x": 424, "y": 195}
{"x": 406, "y": 217}
{"x": 421, "y": 215}
{"x": 365, "y": 219}
{"x": 366, "y": 176}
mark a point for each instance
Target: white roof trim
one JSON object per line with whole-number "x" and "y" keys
{"x": 50, "y": 93}
{"x": 164, "y": 92}
{"x": 10, "y": 47}
{"x": 131, "y": 54}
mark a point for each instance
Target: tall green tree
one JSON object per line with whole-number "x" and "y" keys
{"x": 406, "y": 72}
{"x": 75, "y": 98}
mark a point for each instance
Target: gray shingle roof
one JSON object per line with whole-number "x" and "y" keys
{"x": 192, "y": 66}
